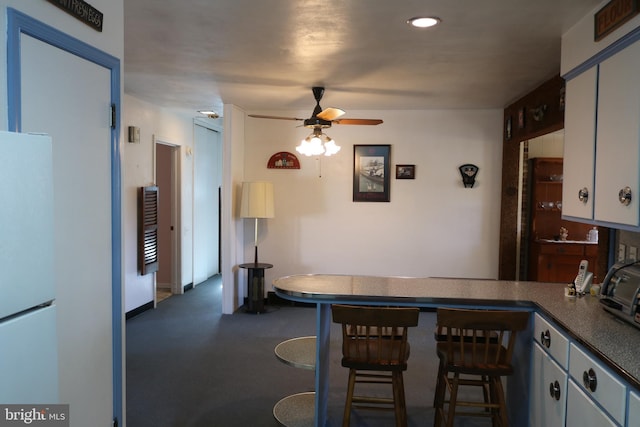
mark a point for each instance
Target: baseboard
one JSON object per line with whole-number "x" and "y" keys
{"x": 187, "y": 287}
{"x": 139, "y": 310}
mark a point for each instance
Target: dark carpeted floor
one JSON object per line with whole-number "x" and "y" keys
{"x": 190, "y": 366}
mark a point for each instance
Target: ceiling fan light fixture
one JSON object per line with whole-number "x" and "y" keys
{"x": 331, "y": 148}
{"x": 424, "y": 21}
{"x": 317, "y": 143}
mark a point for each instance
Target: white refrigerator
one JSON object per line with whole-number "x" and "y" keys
{"x": 28, "y": 341}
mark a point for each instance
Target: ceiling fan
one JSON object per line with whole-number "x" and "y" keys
{"x": 323, "y": 118}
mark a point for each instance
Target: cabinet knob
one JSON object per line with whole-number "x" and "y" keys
{"x": 583, "y": 195}
{"x": 590, "y": 380}
{"x": 545, "y": 338}
{"x": 624, "y": 196}
{"x": 554, "y": 390}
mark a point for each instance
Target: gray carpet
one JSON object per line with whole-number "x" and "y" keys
{"x": 190, "y": 366}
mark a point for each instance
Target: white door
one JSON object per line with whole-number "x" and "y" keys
{"x": 207, "y": 181}
{"x": 69, "y": 98}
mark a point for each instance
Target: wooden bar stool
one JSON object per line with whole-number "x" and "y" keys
{"x": 479, "y": 360}
{"x": 375, "y": 349}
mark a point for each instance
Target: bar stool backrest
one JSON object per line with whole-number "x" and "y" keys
{"x": 476, "y": 353}
{"x": 375, "y": 337}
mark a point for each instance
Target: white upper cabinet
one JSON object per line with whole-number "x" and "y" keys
{"x": 579, "y": 145}
{"x": 602, "y": 142}
{"x": 618, "y": 138}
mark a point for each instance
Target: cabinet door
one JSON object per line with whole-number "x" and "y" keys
{"x": 546, "y": 409}
{"x": 598, "y": 383}
{"x": 582, "y": 412}
{"x": 553, "y": 341}
{"x": 633, "y": 417}
{"x": 579, "y": 144}
{"x": 618, "y": 137}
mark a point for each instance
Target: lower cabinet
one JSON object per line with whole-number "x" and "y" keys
{"x": 578, "y": 390}
{"x": 548, "y": 390}
{"x": 633, "y": 417}
{"x": 582, "y": 411}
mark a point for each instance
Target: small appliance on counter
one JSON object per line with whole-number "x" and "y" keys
{"x": 620, "y": 291}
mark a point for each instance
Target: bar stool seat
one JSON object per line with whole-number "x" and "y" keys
{"x": 298, "y": 352}
{"x": 297, "y": 410}
{"x": 476, "y": 350}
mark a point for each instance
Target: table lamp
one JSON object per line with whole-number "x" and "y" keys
{"x": 257, "y": 202}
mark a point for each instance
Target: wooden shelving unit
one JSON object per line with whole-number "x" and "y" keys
{"x": 550, "y": 258}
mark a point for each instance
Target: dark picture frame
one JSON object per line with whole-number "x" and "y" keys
{"x": 371, "y": 168}
{"x": 405, "y": 171}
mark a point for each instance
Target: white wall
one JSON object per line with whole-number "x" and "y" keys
{"x": 433, "y": 226}
{"x": 578, "y": 44}
{"x": 169, "y": 126}
{"x": 549, "y": 145}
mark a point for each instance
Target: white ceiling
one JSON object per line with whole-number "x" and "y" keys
{"x": 267, "y": 54}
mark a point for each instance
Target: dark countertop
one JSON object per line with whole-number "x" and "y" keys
{"x": 613, "y": 341}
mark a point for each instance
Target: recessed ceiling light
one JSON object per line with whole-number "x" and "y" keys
{"x": 424, "y": 22}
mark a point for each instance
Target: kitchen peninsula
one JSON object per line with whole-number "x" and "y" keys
{"x": 582, "y": 319}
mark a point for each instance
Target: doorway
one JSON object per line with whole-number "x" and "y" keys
{"x": 207, "y": 168}
{"x": 548, "y": 145}
{"x": 167, "y": 178}
{"x": 86, "y": 180}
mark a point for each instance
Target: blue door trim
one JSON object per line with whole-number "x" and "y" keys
{"x": 19, "y": 23}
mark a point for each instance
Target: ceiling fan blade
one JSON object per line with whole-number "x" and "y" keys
{"x": 330, "y": 114}
{"x": 259, "y": 116}
{"x": 357, "y": 121}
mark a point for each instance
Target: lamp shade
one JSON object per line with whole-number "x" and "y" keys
{"x": 257, "y": 200}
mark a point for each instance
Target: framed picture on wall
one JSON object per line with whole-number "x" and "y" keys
{"x": 371, "y": 167}
{"x": 405, "y": 171}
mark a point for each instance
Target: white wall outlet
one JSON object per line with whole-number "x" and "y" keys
{"x": 622, "y": 252}
{"x": 633, "y": 253}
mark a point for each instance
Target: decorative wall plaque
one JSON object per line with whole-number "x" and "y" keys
{"x": 283, "y": 160}
{"x": 612, "y": 16}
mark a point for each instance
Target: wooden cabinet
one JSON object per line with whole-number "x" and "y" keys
{"x": 550, "y": 259}
{"x": 558, "y": 262}
{"x": 546, "y": 197}
{"x": 602, "y": 141}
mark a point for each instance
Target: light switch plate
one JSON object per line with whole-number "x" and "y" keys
{"x": 622, "y": 252}
{"x": 134, "y": 134}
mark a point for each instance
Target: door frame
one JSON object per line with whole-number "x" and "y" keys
{"x": 19, "y": 23}
{"x": 176, "y": 217}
